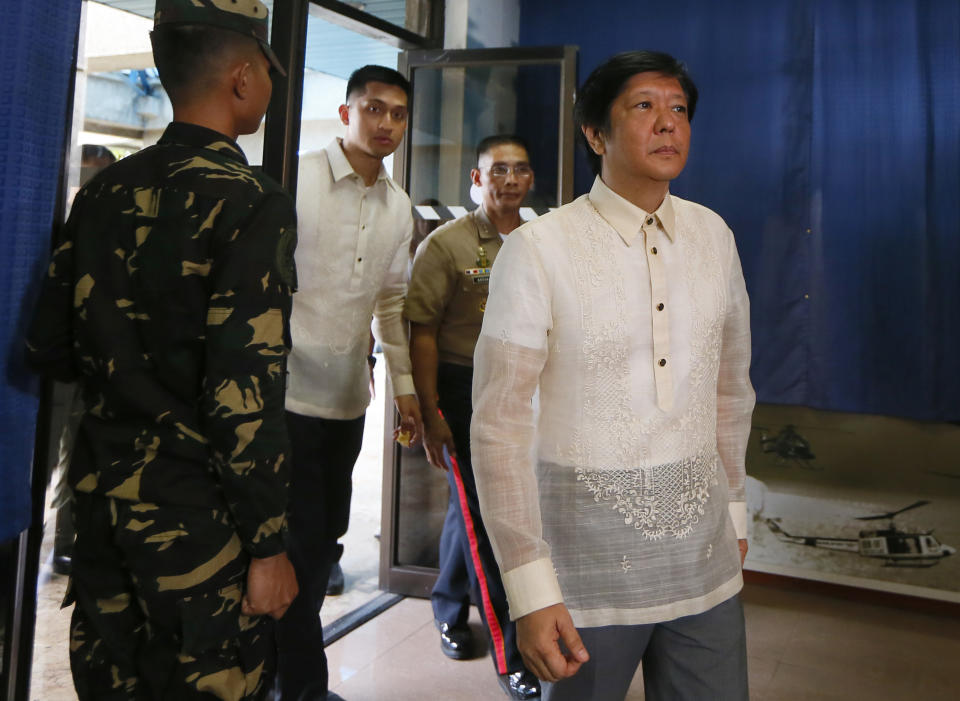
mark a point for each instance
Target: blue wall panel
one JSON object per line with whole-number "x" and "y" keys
{"x": 828, "y": 137}
{"x": 37, "y": 45}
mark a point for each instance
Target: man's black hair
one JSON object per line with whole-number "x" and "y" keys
{"x": 189, "y": 55}
{"x": 499, "y": 140}
{"x": 95, "y": 153}
{"x": 376, "y": 74}
{"x": 607, "y": 81}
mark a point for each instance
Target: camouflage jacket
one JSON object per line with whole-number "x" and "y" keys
{"x": 168, "y": 297}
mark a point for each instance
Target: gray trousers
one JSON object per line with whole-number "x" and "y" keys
{"x": 694, "y": 658}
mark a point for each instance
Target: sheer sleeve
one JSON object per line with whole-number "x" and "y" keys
{"x": 509, "y": 358}
{"x": 388, "y": 324}
{"x": 735, "y": 395}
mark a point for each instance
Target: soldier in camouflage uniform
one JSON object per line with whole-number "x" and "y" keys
{"x": 168, "y": 298}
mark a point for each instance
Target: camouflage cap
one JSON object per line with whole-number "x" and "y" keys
{"x": 244, "y": 16}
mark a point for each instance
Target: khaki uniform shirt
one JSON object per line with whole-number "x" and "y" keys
{"x": 449, "y": 283}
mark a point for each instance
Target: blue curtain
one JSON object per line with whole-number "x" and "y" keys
{"x": 828, "y": 137}
{"x": 885, "y": 167}
{"x": 37, "y": 44}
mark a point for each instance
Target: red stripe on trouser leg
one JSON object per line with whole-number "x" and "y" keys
{"x": 493, "y": 622}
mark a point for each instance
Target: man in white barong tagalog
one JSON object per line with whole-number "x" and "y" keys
{"x": 354, "y": 225}
{"x": 616, "y": 509}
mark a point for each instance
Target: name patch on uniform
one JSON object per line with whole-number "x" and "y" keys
{"x": 480, "y": 276}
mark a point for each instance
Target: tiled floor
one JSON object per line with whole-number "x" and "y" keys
{"x": 814, "y": 646}
{"x": 800, "y": 646}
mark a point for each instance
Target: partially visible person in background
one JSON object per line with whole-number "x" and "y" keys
{"x": 445, "y": 305}
{"x": 355, "y": 228}
{"x": 93, "y": 159}
{"x": 422, "y": 227}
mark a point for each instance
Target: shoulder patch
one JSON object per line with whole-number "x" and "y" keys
{"x": 285, "y": 264}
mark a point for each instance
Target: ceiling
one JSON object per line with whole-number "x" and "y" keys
{"x": 330, "y": 48}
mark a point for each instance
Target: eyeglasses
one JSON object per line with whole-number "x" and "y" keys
{"x": 521, "y": 170}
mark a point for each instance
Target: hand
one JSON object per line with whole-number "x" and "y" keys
{"x": 271, "y": 586}
{"x": 373, "y": 388}
{"x": 436, "y": 435}
{"x": 742, "y": 543}
{"x": 410, "y": 420}
{"x": 538, "y": 634}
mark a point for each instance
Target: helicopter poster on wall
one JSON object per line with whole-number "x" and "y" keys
{"x": 867, "y": 501}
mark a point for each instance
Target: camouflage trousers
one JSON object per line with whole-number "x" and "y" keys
{"x": 157, "y": 617}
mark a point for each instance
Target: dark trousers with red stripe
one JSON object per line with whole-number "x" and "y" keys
{"x": 467, "y": 564}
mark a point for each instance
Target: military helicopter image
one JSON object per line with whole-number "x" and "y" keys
{"x": 897, "y": 548}
{"x": 788, "y": 445}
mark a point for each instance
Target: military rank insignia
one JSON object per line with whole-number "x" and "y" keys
{"x": 482, "y": 260}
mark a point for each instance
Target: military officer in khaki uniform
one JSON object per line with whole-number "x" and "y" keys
{"x": 445, "y": 304}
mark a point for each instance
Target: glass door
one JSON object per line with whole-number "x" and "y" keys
{"x": 459, "y": 98}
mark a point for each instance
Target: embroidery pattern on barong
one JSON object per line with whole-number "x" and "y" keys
{"x": 664, "y": 501}
{"x": 658, "y": 500}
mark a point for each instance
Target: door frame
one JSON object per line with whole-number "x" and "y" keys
{"x": 415, "y": 580}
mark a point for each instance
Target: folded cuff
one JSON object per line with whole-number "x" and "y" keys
{"x": 403, "y": 384}
{"x": 531, "y": 587}
{"x": 738, "y": 512}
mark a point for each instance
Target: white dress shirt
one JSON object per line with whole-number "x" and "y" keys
{"x": 352, "y": 243}
{"x": 623, "y": 497}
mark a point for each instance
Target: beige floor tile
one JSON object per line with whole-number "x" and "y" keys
{"x": 361, "y": 647}
{"x": 794, "y": 683}
{"x": 760, "y": 671}
{"x": 771, "y": 617}
{"x": 415, "y": 668}
{"x": 769, "y": 629}
{"x": 872, "y": 650}
{"x": 837, "y": 648}
{"x": 50, "y": 677}
{"x": 939, "y": 683}
{"x": 635, "y": 692}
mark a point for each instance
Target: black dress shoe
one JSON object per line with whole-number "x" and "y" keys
{"x": 62, "y": 564}
{"x": 335, "y": 581}
{"x": 521, "y": 685}
{"x": 455, "y": 641}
